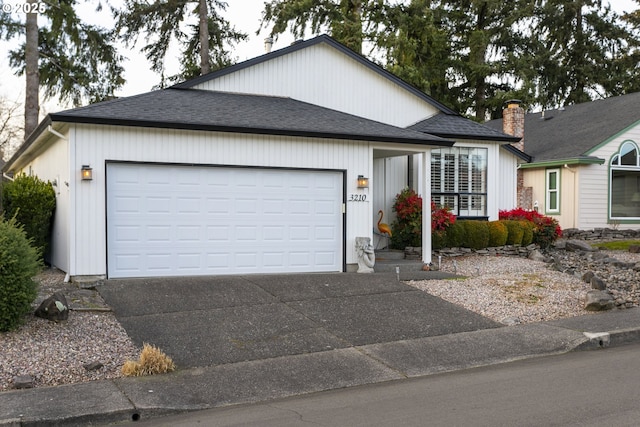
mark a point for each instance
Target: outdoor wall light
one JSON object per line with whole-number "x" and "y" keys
{"x": 87, "y": 173}
{"x": 363, "y": 182}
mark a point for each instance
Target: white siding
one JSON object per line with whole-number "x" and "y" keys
{"x": 324, "y": 76}
{"x": 53, "y": 165}
{"x": 389, "y": 178}
{"x": 96, "y": 144}
{"x": 506, "y": 190}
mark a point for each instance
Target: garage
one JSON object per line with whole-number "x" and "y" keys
{"x": 185, "y": 220}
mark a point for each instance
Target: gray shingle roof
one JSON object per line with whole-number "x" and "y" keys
{"x": 454, "y": 126}
{"x": 241, "y": 113}
{"x": 572, "y": 132}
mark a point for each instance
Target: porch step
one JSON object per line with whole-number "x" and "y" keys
{"x": 389, "y": 265}
{"x": 389, "y": 254}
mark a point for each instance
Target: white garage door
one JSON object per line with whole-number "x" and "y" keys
{"x": 189, "y": 220}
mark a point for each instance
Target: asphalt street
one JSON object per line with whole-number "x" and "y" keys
{"x": 592, "y": 388}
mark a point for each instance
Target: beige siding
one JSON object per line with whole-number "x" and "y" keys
{"x": 98, "y": 144}
{"x": 324, "y": 76}
{"x": 594, "y": 184}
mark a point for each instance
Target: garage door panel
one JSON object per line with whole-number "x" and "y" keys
{"x": 185, "y": 220}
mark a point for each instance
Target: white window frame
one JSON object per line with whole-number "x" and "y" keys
{"x": 552, "y": 191}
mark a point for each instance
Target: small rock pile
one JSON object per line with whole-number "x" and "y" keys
{"x": 614, "y": 277}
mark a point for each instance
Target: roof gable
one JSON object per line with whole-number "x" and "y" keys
{"x": 301, "y": 45}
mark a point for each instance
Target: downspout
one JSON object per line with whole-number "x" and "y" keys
{"x": 575, "y": 192}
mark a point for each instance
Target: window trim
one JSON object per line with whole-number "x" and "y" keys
{"x": 616, "y": 164}
{"x": 449, "y": 182}
{"x": 548, "y": 191}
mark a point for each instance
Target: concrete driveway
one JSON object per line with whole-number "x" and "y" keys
{"x": 207, "y": 321}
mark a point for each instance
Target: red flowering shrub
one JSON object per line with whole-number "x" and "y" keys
{"x": 441, "y": 218}
{"x": 407, "y": 228}
{"x": 546, "y": 229}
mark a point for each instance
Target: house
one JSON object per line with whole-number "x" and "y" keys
{"x": 272, "y": 165}
{"x": 585, "y": 168}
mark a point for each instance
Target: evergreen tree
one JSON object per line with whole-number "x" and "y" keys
{"x": 69, "y": 59}
{"x": 581, "y": 52}
{"x": 482, "y": 34}
{"x": 347, "y": 21}
{"x": 416, "y": 46}
{"x": 202, "y": 34}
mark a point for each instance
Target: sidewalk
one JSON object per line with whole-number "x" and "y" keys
{"x": 131, "y": 399}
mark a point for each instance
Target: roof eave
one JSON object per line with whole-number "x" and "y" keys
{"x": 497, "y": 138}
{"x": 33, "y": 137}
{"x": 436, "y": 141}
{"x": 518, "y": 153}
{"x": 563, "y": 162}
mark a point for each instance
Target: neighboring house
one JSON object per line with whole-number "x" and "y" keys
{"x": 255, "y": 168}
{"x": 585, "y": 168}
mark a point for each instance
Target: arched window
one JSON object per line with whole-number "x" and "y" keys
{"x": 624, "y": 178}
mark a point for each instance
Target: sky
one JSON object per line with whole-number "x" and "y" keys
{"x": 243, "y": 14}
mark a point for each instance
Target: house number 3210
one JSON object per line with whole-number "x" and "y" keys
{"x": 357, "y": 197}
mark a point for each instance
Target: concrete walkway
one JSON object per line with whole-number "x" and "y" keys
{"x": 242, "y": 339}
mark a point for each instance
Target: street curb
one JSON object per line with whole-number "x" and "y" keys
{"x": 130, "y": 400}
{"x": 614, "y": 338}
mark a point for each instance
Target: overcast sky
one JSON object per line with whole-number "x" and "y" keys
{"x": 243, "y": 14}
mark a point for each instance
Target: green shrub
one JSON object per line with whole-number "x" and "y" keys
{"x": 477, "y": 233}
{"x": 456, "y": 235}
{"x": 32, "y": 203}
{"x": 528, "y": 229}
{"x": 515, "y": 232}
{"x": 19, "y": 262}
{"x": 439, "y": 239}
{"x": 497, "y": 233}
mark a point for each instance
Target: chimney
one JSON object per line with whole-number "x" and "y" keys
{"x": 513, "y": 121}
{"x": 268, "y": 44}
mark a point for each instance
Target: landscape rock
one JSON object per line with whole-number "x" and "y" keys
{"x": 93, "y": 366}
{"x": 599, "y": 301}
{"x": 23, "y": 381}
{"x": 578, "y": 245}
{"x": 586, "y": 277}
{"x": 54, "y": 308}
{"x": 597, "y": 283}
{"x": 510, "y": 321}
{"x": 634, "y": 249}
{"x": 536, "y": 255}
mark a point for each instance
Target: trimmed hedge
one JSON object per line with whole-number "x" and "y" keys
{"x": 497, "y": 233}
{"x": 19, "y": 262}
{"x": 528, "y": 229}
{"x": 477, "y": 234}
{"x": 456, "y": 235}
{"x": 515, "y": 232}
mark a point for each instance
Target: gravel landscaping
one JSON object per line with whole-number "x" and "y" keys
{"x": 511, "y": 290}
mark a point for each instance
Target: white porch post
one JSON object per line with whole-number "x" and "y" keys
{"x": 424, "y": 188}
